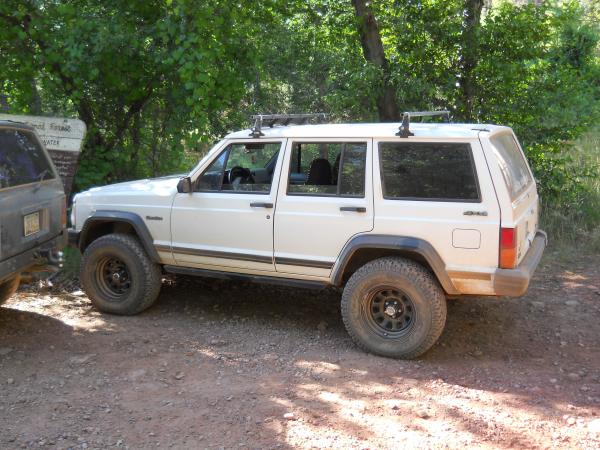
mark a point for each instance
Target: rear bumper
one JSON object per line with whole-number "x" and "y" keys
{"x": 514, "y": 282}
{"x": 49, "y": 250}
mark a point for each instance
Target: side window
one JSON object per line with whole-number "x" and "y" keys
{"x": 328, "y": 168}
{"x": 211, "y": 178}
{"x": 512, "y": 164}
{"x": 428, "y": 171}
{"x": 246, "y": 167}
{"x": 22, "y": 160}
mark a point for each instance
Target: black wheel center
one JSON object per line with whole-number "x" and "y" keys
{"x": 390, "y": 311}
{"x": 392, "y": 308}
{"x": 113, "y": 277}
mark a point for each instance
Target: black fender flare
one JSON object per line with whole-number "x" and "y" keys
{"x": 400, "y": 243}
{"x": 103, "y": 216}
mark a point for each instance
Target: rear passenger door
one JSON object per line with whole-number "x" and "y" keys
{"x": 325, "y": 197}
{"x": 440, "y": 192}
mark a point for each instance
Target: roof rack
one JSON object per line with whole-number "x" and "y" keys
{"x": 270, "y": 120}
{"x": 405, "y": 132}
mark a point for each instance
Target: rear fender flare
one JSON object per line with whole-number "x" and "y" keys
{"x": 403, "y": 244}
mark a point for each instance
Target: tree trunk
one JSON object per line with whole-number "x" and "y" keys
{"x": 4, "y": 108}
{"x": 372, "y": 46}
{"x": 35, "y": 102}
{"x": 470, "y": 57}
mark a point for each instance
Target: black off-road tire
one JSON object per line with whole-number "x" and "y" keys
{"x": 8, "y": 288}
{"x": 143, "y": 276}
{"x": 422, "y": 309}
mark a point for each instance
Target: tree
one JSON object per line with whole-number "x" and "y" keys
{"x": 469, "y": 58}
{"x": 374, "y": 52}
{"x": 157, "y": 80}
{"x": 128, "y": 70}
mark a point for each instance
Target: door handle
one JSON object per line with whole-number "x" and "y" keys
{"x": 361, "y": 209}
{"x": 261, "y": 205}
{"x": 475, "y": 213}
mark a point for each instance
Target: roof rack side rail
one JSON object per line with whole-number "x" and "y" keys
{"x": 270, "y": 120}
{"x": 404, "y": 130}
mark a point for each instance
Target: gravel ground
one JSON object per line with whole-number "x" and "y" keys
{"x": 233, "y": 365}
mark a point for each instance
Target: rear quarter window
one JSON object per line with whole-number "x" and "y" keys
{"x": 513, "y": 164}
{"x": 22, "y": 159}
{"x": 428, "y": 171}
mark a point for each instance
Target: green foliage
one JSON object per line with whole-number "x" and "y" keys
{"x": 535, "y": 69}
{"x": 573, "y": 215}
{"x": 154, "y": 81}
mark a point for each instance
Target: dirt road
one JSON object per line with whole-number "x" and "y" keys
{"x": 234, "y": 365}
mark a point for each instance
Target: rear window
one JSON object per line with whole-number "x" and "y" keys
{"x": 512, "y": 164}
{"x": 428, "y": 171}
{"x": 22, "y": 159}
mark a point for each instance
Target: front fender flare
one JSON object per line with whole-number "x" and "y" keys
{"x": 103, "y": 216}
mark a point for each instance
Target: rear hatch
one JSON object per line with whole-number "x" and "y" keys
{"x": 519, "y": 181}
{"x": 31, "y": 193}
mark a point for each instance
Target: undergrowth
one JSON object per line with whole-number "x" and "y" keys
{"x": 572, "y": 218}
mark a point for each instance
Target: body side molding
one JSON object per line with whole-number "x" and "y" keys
{"x": 303, "y": 262}
{"x": 103, "y": 216}
{"x": 400, "y": 243}
{"x": 290, "y": 282}
{"x": 218, "y": 254}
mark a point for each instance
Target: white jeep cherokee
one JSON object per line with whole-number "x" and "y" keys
{"x": 401, "y": 216}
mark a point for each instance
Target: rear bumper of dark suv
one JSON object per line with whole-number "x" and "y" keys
{"x": 48, "y": 250}
{"x": 514, "y": 282}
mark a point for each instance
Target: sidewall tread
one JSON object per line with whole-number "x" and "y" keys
{"x": 146, "y": 275}
{"x": 8, "y": 288}
{"x": 425, "y": 292}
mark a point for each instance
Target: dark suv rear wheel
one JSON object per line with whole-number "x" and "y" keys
{"x": 8, "y": 288}
{"x": 394, "y": 307}
{"x": 118, "y": 276}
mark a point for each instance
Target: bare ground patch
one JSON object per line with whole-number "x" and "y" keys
{"x": 216, "y": 364}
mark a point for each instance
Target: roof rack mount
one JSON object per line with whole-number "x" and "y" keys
{"x": 405, "y": 132}
{"x": 270, "y": 120}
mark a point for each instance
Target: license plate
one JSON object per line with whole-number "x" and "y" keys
{"x": 31, "y": 223}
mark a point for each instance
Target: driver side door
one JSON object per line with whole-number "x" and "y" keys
{"x": 226, "y": 223}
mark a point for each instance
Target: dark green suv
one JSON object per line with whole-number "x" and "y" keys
{"x": 32, "y": 206}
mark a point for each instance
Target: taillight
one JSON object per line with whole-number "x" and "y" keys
{"x": 63, "y": 214}
{"x": 508, "y": 248}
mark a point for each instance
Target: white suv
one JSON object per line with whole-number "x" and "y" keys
{"x": 401, "y": 216}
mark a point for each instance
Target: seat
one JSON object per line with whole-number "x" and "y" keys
{"x": 319, "y": 172}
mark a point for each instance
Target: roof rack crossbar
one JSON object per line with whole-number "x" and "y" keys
{"x": 404, "y": 130}
{"x": 270, "y": 120}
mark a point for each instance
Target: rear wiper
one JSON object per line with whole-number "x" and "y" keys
{"x": 41, "y": 177}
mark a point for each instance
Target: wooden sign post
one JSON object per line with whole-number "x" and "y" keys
{"x": 62, "y": 138}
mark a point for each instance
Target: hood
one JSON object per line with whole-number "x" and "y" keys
{"x": 145, "y": 185}
{"x": 163, "y": 187}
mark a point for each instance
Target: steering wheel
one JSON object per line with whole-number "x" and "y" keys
{"x": 240, "y": 172}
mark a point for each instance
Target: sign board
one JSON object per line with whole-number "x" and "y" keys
{"x": 62, "y": 138}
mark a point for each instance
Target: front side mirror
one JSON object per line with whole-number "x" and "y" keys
{"x": 185, "y": 185}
